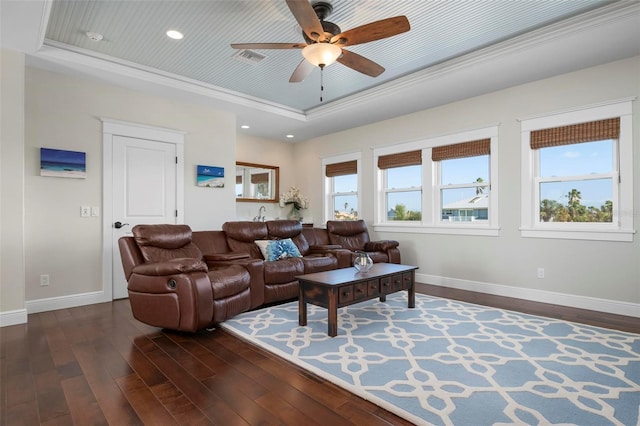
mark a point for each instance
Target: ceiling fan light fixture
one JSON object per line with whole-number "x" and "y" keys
{"x": 321, "y": 54}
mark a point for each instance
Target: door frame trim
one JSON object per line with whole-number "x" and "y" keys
{"x": 110, "y": 129}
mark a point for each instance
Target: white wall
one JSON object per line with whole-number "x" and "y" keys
{"x": 64, "y": 113}
{"x": 598, "y": 275}
{"x": 11, "y": 187}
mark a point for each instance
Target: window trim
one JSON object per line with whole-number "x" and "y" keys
{"x": 530, "y": 226}
{"x": 327, "y": 199}
{"x": 431, "y": 209}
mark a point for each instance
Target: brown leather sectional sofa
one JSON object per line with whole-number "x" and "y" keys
{"x": 184, "y": 280}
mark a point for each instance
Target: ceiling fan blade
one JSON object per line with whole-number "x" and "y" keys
{"x": 360, "y": 63}
{"x": 301, "y": 72}
{"x": 268, "y": 45}
{"x": 307, "y": 18}
{"x": 373, "y": 31}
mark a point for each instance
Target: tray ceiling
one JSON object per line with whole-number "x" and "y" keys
{"x": 445, "y": 37}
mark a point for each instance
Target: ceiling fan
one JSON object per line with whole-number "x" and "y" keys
{"x": 325, "y": 41}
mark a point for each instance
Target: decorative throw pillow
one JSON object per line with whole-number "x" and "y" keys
{"x": 278, "y": 249}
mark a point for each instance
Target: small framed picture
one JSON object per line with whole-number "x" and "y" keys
{"x": 210, "y": 176}
{"x": 61, "y": 163}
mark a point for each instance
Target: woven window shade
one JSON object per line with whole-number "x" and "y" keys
{"x": 238, "y": 179}
{"x": 576, "y": 133}
{"x": 461, "y": 150}
{"x": 341, "y": 169}
{"x": 260, "y": 178}
{"x": 411, "y": 158}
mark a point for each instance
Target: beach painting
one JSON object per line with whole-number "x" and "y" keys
{"x": 61, "y": 163}
{"x": 210, "y": 177}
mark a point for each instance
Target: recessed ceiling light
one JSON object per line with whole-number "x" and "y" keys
{"x": 244, "y": 126}
{"x": 290, "y": 136}
{"x": 176, "y": 35}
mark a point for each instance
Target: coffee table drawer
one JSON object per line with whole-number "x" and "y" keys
{"x": 373, "y": 288}
{"x": 407, "y": 280}
{"x": 397, "y": 282}
{"x": 386, "y": 285}
{"x": 359, "y": 291}
{"x": 345, "y": 294}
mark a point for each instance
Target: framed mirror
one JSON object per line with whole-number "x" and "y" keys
{"x": 257, "y": 183}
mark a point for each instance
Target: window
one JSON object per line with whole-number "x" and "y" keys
{"x": 440, "y": 185}
{"x": 402, "y": 177}
{"x": 341, "y": 187}
{"x": 578, "y": 182}
{"x": 463, "y": 180}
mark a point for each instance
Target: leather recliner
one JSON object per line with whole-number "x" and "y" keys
{"x": 216, "y": 252}
{"x": 169, "y": 284}
{"x": 354, "y": 236}
{"x": 280, "y": 282}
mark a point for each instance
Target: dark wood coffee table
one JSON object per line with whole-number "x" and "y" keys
{"x": 345, "y": 287}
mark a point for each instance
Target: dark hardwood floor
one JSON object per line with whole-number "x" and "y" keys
{"x": 97, "y": 365}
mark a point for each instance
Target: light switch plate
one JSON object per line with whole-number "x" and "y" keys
{"x": 85, "y": 211}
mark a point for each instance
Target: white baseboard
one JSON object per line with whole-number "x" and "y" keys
{"x": 572, "y": 300}
{"x": 63, "y": 302}
{"x": 591, "y": 303}
{"x": 16, "y": 317}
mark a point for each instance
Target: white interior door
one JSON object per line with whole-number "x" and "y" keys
{"x": 144, "y": 192}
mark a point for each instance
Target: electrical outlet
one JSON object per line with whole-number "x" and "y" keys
{"x": 85, "y": 211}
{"x": 44, "y": 280}
{"x": 540, "y": 272}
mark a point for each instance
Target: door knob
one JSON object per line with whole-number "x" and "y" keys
{"x": 119, "y": 225}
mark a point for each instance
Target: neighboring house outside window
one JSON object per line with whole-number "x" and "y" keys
{"x": 342, "y": 183}
{"x": 443, "y": 185}
{"x": 578, "y": 183}
{"x": 467, "y": 210}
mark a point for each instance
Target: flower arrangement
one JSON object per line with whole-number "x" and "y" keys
{"x": 293, "y": 196}
{"x": 296, "y": 199}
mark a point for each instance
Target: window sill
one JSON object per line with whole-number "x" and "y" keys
{"x": 417, "y": 228}
{"x": 622, "y": 235}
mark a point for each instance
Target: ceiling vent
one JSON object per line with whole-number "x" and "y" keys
{"x": 249, "y": 56}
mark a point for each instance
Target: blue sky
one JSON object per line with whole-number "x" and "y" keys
{"x": 578, "y": 159}
{"x": 210, "y": 171}
{"x": 62, "y": 156}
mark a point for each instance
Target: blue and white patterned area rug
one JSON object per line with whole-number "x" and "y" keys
{"x": 453, "y": 363}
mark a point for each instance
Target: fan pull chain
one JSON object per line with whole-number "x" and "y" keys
{"x": 321, "y": 80}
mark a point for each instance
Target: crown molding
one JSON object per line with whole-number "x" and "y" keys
{"x": 97, "y": 64}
